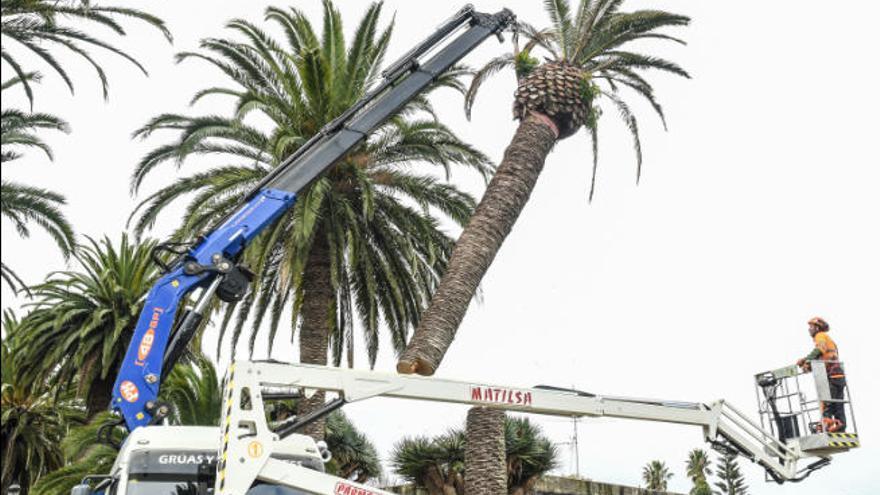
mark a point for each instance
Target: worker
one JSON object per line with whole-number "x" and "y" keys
{"x": 833, "y": 413}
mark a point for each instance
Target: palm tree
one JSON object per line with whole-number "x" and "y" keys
{"x": 656, "y": 475}
{"x": 434, "y": 464}
{"x": 22, "y": 204}
{"x": 730, "y": 479}
{"x": 193, "y": 389}
{"x": 529, "y": 454}
{"x": 438, "y": 464}
{"x": 588, "y": 64}
{"x": 698, "y": 468}
{"x": 354, "y": 456}
{"x": 33, "y": 420}
{"x": 84, "y": 455}
{"x": 81, "y": 321}
{"x": 362, "y": 241}
{"x": 587, "y": 68}
{"x": 40, "y": 26}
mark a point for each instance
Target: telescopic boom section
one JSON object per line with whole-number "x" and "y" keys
{"x": 210, "y": 264}
{"x": 248, "y": 441}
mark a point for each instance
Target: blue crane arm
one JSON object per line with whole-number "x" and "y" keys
{"x": 164, "y": 329}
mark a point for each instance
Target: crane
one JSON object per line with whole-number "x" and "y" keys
{"x": 249, "y": 455}
{"x": 210, "y": 265}
{"x": 245, "y": 454}
{"x": 247, "y": 444}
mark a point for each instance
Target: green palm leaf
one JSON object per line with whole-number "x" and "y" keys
{"x": 595, "y": 38}
{"x": 372, "y": 220}
{"x": 80, "y": 321}
{"x": 40, "y": 26}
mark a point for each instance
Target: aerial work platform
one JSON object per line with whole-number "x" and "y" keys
{"x": 790, "y": 405}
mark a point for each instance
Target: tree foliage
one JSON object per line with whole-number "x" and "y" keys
{"x": 656, "y": 475}
{"x": 193, "y": 389}
{"x": 437, "y": 464}
{"x": 354, "y": 455}
{"x": 730, "y": 480}
{"x": 34, "y": 420}
{"x": 698, "y": 469}
{"x": 25, "y": 205}
{"x": 40, "y": 27}
{"x": 81, "y": 321}
{"x": 600, "y": 39}
{"x": 374, "y": 213}
{"x": 83, "y": 455}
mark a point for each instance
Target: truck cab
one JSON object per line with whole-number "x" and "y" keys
{"x": 182, "y": 460}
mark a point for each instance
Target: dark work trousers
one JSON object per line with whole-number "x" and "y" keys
{"x": 836, "y": 409}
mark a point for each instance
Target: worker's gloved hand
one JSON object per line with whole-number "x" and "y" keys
{"x": 801, "y": 362}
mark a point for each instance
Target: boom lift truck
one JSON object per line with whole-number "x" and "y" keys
{"x": 256, "y": 459}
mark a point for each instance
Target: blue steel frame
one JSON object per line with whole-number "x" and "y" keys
{"x": 141, "y": 372}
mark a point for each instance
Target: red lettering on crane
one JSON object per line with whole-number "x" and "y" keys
{"x": 346, "y": 489}
{"x": 501, "y": 396}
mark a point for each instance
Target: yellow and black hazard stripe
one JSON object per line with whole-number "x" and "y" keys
{"x": 843, "y": 445}
{"x": 850, "y": 436}
{"x": 843, "y": 440}
{"x": 227, "y": 426}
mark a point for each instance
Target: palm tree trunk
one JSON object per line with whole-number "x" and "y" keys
{"x": 485, "y": 466}
{"x": 318, "y": 297}
{"x": 480, "y": 241}
{"x": 98, "y": 397}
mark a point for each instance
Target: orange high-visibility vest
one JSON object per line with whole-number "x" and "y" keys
{"x": 829, "y": 354}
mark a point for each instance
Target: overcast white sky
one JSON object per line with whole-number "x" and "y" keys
{"x": 757, "y": 210}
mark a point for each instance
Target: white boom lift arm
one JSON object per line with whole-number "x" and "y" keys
{"x": 248, "y": 441}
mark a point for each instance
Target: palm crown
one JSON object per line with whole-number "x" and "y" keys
{"x": 364, "y": 228}
{"x": 587, "y": 59}
{"x": 80, "y": 322}
{"x": 656, "y": 475}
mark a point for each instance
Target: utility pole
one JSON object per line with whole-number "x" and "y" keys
{"x": 574, "y": 442}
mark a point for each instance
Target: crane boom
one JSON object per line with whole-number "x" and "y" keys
{"x": 210, "y": 264}
{"x": 247, "y": 439}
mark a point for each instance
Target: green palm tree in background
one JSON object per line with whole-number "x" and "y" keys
{"x": 40, "y": 26}
{"x": 34, "y": 420}
{"x": 529, "y": 455}
{"x": 362, "y": 241}
{"x": 698, "y": 469}
{"x": 193, "y": 389}
{"x": 22, "y": 204}
{"x": 434, "y": 464}
{"x": 80, "y": 321}
{"x": 354, "y": 455}
{"x": 656, "y": 475}
{"x": 438, "y": 464}
{"x": 84, "y": 455}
